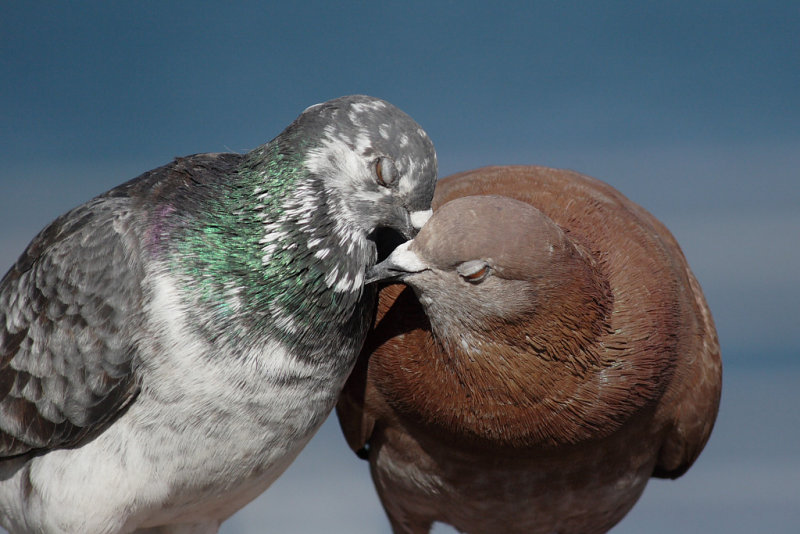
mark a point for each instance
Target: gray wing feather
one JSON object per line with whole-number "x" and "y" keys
{"x": 67, "y": 310}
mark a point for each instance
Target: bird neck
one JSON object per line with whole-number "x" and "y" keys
{"x": 266, "y": 252}
{"x": 535, "y": 382}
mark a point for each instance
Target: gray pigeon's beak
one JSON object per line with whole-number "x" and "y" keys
{"x": 419, "y": 218}
{"x": 415, "y": 220}
{"x": 400, "y": 263}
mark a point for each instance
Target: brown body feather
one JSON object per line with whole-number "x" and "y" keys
{"x": 598, "y": 369}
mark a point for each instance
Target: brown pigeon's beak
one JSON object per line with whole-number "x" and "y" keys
{"x": 400, "y": 263}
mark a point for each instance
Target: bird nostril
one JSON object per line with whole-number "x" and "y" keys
{"x": 387, "y": 239}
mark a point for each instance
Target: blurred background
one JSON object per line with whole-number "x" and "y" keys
{"x": 690, "y": 108}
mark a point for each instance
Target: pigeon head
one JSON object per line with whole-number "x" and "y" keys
{"x": 293, "y": 230}
{"x": 377, "y": 166}
{"x": 485, "y": 261}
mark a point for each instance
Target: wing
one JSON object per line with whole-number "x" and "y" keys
{"x": 67, "y": 310}
{"x": 355, "y": 419}
{"x": 400, "y": 326}
{"x": 697, "y": 396}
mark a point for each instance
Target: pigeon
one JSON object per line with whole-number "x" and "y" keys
{"x": 548, "y": 352}
{"x": 169, "y": 347}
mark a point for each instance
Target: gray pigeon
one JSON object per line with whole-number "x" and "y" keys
{"x": 170, "y": 346}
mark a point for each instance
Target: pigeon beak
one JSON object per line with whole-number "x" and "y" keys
{"x": 400, "y": 263}
{"x": 419, "y": 218}
{"x": 413, "y": 221}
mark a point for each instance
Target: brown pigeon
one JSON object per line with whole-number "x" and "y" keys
{"x": 549, "y": 353}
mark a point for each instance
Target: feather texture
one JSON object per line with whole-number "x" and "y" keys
{"x": 541, "y": 397}
{"x": 169, "y": 347}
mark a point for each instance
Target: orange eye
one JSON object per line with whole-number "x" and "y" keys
{"x": 474, "y": 277}
{"x": 385, "y": 171}
{"x": 474, "y": 271}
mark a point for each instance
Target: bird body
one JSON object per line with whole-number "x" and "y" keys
{"x": 169, "y": 347}
{"x": 552, "y": 352}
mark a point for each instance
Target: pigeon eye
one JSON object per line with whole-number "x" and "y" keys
{"x": 385, "y": 171}
{"x": 474, "y": 271}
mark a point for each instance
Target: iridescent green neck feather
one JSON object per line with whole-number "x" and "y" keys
{"x": 260, "y": 252}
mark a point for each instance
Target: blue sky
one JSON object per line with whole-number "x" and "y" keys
{"x": 688, "y": 108}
